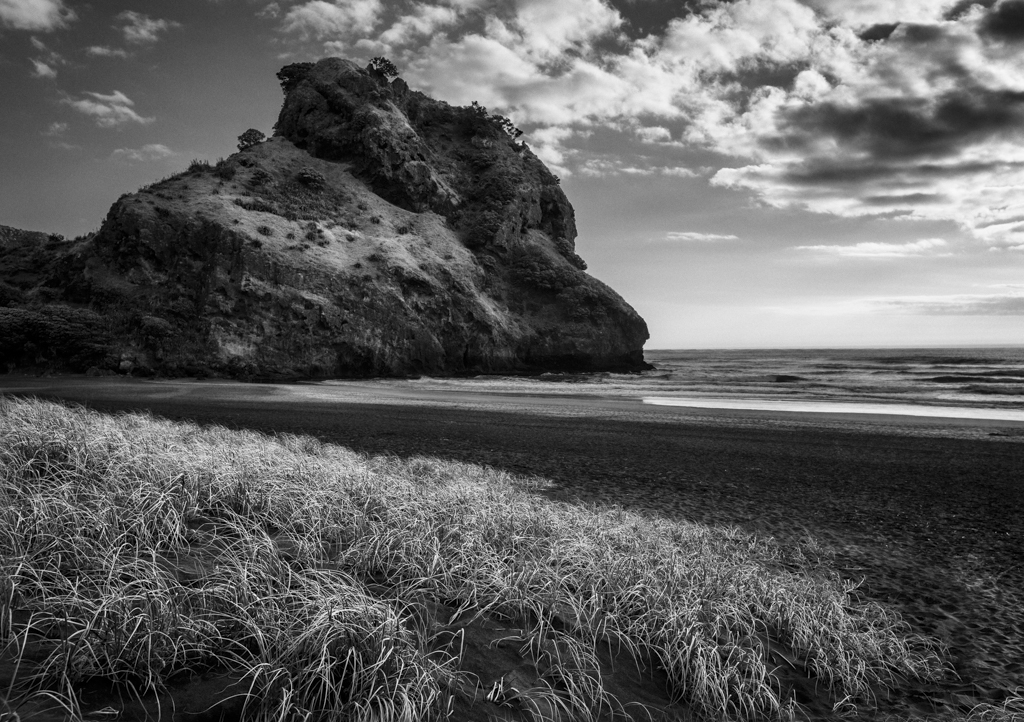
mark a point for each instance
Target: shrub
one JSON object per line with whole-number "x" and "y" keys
{"x": 311, "y": 179}
{"x": 55, "y": 238}
{"x": 479, "y": 227}
{"x": 198, "y": 166}
{"x": 224, "y": 171}
{"x": 265, "y": 230}
{"x": 291, "y": 75}
{"x": 507, "y": 126}
{"x": 250, "y": 138}
{"x": 255, "y": 204}
{"x": 259, "y": 177}
{"x": 53, "y": 335}
{"x": 383, "y": 67}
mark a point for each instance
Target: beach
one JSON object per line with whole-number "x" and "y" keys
{"x": 925, "y": 514}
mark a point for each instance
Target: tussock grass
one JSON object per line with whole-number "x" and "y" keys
{"x": 146, "y": 552}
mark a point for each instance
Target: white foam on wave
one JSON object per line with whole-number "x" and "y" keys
{"x": 838, "y": 407}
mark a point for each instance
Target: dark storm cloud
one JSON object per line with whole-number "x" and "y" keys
{"x": 878, "y": 32}
{"x": 915, "y": 127}
{"x": 1005, "y": 20}
{"x": 912, "y": 199}
{"x": 829, "y": 172}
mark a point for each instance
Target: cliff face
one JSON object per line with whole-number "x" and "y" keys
{"x": 379, "y": 233}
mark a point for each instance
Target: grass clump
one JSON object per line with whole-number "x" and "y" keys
{"x": 142, "y": 552}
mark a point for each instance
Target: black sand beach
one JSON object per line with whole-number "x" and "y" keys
{"x": 927, "y": 514}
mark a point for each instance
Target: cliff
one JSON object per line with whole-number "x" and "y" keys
{"x": 380, "y": 232}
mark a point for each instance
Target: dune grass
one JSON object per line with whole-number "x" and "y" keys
{"x": 148, "y": 552}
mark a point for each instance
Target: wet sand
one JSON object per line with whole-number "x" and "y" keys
{"x": 926, "y": 513}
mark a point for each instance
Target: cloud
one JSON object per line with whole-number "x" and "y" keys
{"x": 102, "y": 51}
{"x": 694, "y": 237}
{"x": 679, "y": 172}
{"x": 875, "y": 249}
{"x": 140, "y": 29}
{"x": 41, "y": 15}
{"x": 270, "y": 11}
{"x": 42, "y": 70}
{"x": 109, "y": 111}
{"x": 871, "y": 108}
{"x": 654, "y": 134}
{"x": 545, "y": 29}
{"x": 1005, "y": 20}
{"x": 422, "y": 22}
{"x": 320, "y": 19}
{"x": 56, "y": 129}
{"x": 149, "y": 152}
{"x": 962, "y": 305}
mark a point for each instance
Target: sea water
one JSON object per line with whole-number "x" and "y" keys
{"x": 969, "y": 382}
{"x": 982, "y": 377}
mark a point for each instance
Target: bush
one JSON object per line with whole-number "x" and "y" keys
{"x": 265, "y": 230}
{"x": 250, "y": 138}
{"x": 198, "y": 166}
{"x": 255, "y": 204}
{"x": 224, "y": 171}
{"x": 383, "y": 67}
{"x": 311, "y": 179}
{"x": 479, "y": 227}
{"x": 260, "y": 177}
{"x": 53, "y": 335}
{"x": 291, "y": 75}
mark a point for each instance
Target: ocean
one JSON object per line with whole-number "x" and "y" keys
{"x": 975, "y": 382}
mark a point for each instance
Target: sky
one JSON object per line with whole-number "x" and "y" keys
{"x": 746, "y": 173}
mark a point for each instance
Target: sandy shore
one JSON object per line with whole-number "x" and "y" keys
{"x": 926, "y": 513}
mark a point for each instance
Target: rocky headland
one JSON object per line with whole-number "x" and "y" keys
{"x": 378, "y": 232}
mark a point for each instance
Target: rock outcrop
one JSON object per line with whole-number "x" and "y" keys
{"x": 380, "y": 232}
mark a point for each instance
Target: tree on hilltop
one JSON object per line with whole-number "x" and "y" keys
{"x": 383, "y": 66}
{"x": 250, "y": 138}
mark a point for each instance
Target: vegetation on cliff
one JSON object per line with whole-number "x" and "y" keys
{"x": 379, "y": 232}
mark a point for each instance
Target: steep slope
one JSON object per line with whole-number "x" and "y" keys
{"x": 379, "y": 233}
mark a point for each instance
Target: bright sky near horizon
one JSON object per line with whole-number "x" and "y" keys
{"x": 746, "y": 173}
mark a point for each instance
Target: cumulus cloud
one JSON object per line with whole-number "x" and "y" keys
{"x": 422, "y": 22}
{"x": 320, "y": 19}
{"x": 140, "y": 29}
{"x": 109, "y": 111}
{"x": 849, "y": 107}
{"x": 41, "y": 15}
{"x": 148, "y": 152}
{"x": 694, "y": 237}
